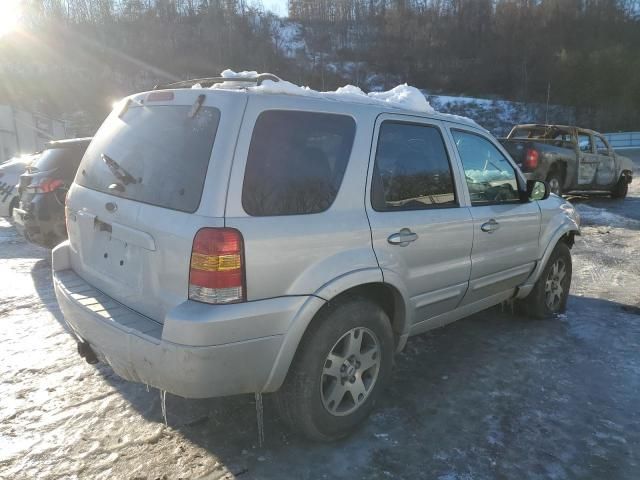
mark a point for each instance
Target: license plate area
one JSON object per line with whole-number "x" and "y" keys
{"x": 115, "y": 258}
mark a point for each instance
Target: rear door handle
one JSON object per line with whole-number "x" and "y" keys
{"x": 490, "y": 227}
{"x": 402, "y": 238}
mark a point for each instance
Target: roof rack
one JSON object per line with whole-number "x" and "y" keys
{"x": 209, "y": 81}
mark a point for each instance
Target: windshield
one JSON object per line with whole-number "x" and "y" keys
{"x": 157, "y": 155}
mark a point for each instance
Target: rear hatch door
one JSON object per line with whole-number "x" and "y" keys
{"x": 154, "y": 174}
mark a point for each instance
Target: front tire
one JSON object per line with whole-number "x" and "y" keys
{"x": 551, "y": 291}
{"x": 621, "y": 189}
{"x": 342, "y": 364}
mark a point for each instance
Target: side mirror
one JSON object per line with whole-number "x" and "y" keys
{"x": 538, "y": 190}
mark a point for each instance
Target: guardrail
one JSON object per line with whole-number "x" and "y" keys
{"x": 623, "y": 140}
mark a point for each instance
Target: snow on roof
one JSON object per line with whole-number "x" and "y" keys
{"x": 403, "y": 96}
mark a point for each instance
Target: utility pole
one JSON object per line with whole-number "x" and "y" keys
{"x": 546, "y": 115}
{"x": 15, "y": 129}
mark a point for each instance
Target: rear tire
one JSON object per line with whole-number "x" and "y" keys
{"x": 621, "y": 189}
{"x": 555, "y": 179}
{"x": 342, "y": 364}
{"x": 12, "y": 205}
{"x": 551, "y": 291}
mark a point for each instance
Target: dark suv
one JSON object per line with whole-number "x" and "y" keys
{"x": 42, "y": 189}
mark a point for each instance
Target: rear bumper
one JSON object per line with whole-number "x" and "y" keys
{"x": 138, "y": 350}
{"x": 41, "y": 221}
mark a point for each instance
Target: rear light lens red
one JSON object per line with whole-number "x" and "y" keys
{"x": 531, "y": 158}
{"x": 47, "y": 185}
{"x": 216, "y": 273}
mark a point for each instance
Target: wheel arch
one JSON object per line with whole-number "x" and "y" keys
{"x": 565, "y": 233}
{"x": 367, "y": 283}
{"x": 559, "y": 165}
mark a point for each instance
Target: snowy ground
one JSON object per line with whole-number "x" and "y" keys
{"x": 492, "y": 396}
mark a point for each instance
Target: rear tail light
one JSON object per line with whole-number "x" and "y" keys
{"x": 216, "y": 273}
{"x": 531, "y": 157}
{"x": 47, "y": 185}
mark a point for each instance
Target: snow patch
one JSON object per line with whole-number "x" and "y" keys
{"x": 592, "y": 216}
{"x": 402, "y": 96}
{"x": 228, "y": 73}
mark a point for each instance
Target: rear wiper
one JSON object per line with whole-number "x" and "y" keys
{"x": 120, "y": 173}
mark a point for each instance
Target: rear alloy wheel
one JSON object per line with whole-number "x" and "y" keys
{"x": 621, "y": 188}
{"x": 342, "y": 364}
{"x": 551, "y": 291}
{"x": 555, "y": 182}
{"x": 350, "y": 371}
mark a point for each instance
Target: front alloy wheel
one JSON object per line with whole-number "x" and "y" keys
{"x": 551, "y": 291}
{"x": 554, "y": 285}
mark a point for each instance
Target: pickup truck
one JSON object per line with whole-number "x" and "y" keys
{"x": 570, "y": 159}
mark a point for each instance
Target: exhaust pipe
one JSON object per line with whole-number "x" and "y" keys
{"x": 86, "y": 352}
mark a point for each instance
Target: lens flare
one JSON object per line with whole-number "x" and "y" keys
{"x": 10, "y": 16}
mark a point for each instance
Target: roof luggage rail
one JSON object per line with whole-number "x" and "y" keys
{"x": 209, "y": 81}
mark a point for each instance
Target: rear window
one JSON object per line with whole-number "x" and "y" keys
{"x": 153, "y": 154}
{"x": 296, "y": 162}
{"x": 64, "y": 160}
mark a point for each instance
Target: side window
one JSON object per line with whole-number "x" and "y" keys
{"x": 296, "y": 162}
{"x": 412, "y": 169}
{"x": 584, "y": 143}
{"x": 601, "y": 146}
{"x": 490, "y": 176}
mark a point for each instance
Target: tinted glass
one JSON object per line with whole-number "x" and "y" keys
{"x": 296, "y": 162}
{"x": 64, "y": 160}
{"x": 490, "y": 176}
{"x": 584, "y": 143}
{"x": 157, "y": 155}
{"x": 412, "y": 169}
{"x": 601, "y": 147}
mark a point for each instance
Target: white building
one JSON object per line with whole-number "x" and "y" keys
{"x": 25, "y": 132}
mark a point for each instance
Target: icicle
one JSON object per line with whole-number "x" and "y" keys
{"x": 147, "y": 387}
{"x": 163, "y": 405}
{"x": 260, "y": 419}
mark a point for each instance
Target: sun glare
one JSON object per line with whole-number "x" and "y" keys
{"x": 10, "y": 14}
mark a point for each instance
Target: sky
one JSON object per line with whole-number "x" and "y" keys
{"x": 276, "y": 6}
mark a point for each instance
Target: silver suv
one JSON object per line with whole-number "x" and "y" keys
{"x": 235, "y": 240}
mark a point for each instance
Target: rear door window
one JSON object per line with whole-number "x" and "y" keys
{"x": 153, "y": 154}
{"x": 296, "y": 162}
{"x": 412, "y": 170}
{"x": 584, "y": 143}
{"x": 601, "y": 146}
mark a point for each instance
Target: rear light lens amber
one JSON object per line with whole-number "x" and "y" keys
{"x": 216, "y": 273}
